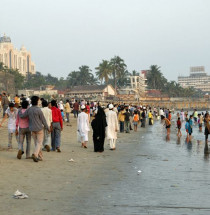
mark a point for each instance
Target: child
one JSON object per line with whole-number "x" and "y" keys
{"x": 11, "y": 114}
{"x": 179, "y": 125}
{"x": 135, "y": 120}
{"x": 23, "y": 125}
{"x": 187, "y": 126}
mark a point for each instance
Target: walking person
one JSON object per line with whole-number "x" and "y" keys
{"x": 121, "y": 118}
{"x": 5, "y": 103}
{"x": 76, "y": 109}
{"x": 127, "y": 120}
{"x": 48, "y": 117}
{"x": 112, "y": 127}
{"x": 83, "y": 126}
{"x": 36, "y": 124}
{"x": 57, "y": 127}
{"x": 22, "y": 128}
{"x": 67, "y": 110}
{"x": 99, "y": 125}
{"x": 11, "y": 114}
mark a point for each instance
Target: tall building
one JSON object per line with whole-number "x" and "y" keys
{"x": 14, "y": 58}
{"x": 138, "y": 83}
{"x": 198, "y": 79}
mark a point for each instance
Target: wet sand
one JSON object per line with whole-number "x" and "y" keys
{"x": 174, "y": 179}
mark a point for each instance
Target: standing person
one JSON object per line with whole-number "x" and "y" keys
{"x": 127, "y": 120}
{"x": 168, "y": 125}
{"x": 169, "y": 116}
{"x": 5, "y": 103}
{"x": 190, "y": 129}
{"x": 207, "y": 132}
{"x": 121, "y": 118}
{"x": 68, "y": 110}
{"x": 99, "y": 125}
{"x": 76, "y": 109}
{"x": 10, "y": 113}
{"x": 115, "y": 109}
{"x": 195, "y": 116}
{"x": 182, "y": 115}
{"x": 112, "y": 127}
{"x": 179, "y": 126}
{"x": 143, "y": 118}
{"x": 186, "y": 127}
{"x": 83, "y": 126}
{"x": 57, "y": 127}
{"x": 161, "y": 113}
{"x": 36, "y": 124}
{"x": 135, "y": 120}
{"x": 200, "y": 122}
{"x": 22, "y": 128}
{"x": 48, "y": 117}
{"x": 150, "y": 116}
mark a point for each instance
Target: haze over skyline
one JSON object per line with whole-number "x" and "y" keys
{"x": 63, "y": 35}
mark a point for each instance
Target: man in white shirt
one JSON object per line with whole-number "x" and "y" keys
{"x": 48, "y": 117}
{"x": 112, "y": 127}
{"x": 83, "y": 126}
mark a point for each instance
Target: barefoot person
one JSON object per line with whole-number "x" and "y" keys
{"x": 112, "y": 127}
{"x": 11, "y": 114}
{"x": 167, "y": 124}
{"x": 179, "y": 126}
{"x": 83, "y": 126}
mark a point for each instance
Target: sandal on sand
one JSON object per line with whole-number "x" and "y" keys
{"x": 19, "y": 154}
{"x": 35, "y": 159}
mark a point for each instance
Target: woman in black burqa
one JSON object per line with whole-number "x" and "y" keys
{"x": 99, "y": 124}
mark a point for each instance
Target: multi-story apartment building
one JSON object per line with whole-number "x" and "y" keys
{"x": 198, "y": 79}
{"x": 138, "y": 83}
{"x": 14, "y": 58}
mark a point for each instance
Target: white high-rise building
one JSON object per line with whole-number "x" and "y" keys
{"x": 198, "y": 79}
{"x": 14, "y": 58}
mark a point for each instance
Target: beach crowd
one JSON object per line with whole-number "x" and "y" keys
{"x": 43, "y": 121}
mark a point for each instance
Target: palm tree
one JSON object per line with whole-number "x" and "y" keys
{"x": 155, "y": 79}
{"x": 73, "y": 79}
{"x": 135, "y": 73}
{"x": 104, "y": 71}
{"x": 118, "y": 66}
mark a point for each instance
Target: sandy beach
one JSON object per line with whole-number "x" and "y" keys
{"x": 53, "y": 183}
{"x": 174, "y": 177}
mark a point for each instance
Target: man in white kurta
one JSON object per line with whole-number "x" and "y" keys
{"x": 83, "y": 126}
{"x": 112, "y": 127}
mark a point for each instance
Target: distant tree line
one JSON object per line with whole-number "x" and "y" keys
{"x": 113, "y": 71}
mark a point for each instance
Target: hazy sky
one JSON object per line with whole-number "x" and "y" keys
{"x": 65, "y": 34}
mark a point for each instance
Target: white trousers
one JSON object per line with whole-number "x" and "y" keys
{"x": 112, "y": 143}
